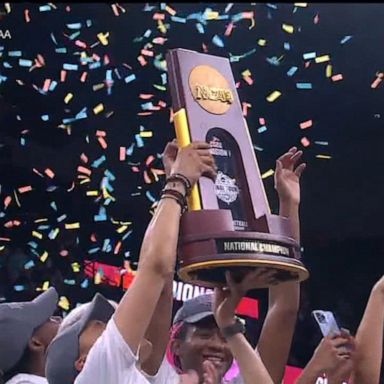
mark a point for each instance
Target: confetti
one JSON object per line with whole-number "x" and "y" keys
{"x": 68, "y": 98}
{"x": 217, "y": 41}
{"x": 273, "y": 96}
{"x": 305, "y": 142}
{"x": 268, "y": 173}
{"x": 309, "y": 55}
{"x": 304, "y": 85}
{"x": 337, "y": 77}
{"x": 288, "y": 28}
{"x": 378, "y": 80}
{"x": 306, "y": 124}
{"x": 322, "y": 59}
{"x": 345, "y": 39}
{"x": 326, "y": 157}
{"x": 99, "y": 108}
{"x": 292, "y": 71}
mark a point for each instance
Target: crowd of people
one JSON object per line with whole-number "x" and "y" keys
{"x": 137, "y": 341}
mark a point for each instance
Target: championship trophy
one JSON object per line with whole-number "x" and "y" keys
{"x": 228, "y": 225}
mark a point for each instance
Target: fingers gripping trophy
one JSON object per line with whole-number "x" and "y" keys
{"x": 228, "y": 225}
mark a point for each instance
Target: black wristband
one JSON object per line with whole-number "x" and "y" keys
{"x": 231, "y": 330}
{"x": 183, "y": 179}
{"x": 178, "y": 196}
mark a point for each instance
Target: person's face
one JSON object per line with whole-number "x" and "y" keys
{"x": 47, "y": 331}
{"x": 87, "y": 339}
{"x": 204, "y": 341}
{"x": 90, "y": 334}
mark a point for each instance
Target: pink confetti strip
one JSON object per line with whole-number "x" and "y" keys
{"x": 306, "y": 124}
{"x": 377, "y": 81}
{"x": 337, "y": 77}
{"x": 63, "y": 75}
{"x": 49, "y": 173}
{"x": 122, "y": 154}
{"x": 82, "y": 169}
{"x": 46, "y": 85}
{"x": 25, "y": 189}
{"x": 228, "y": 30}
{"x": 83, "y": 77}
{"x": 305, "y": 142}
{"x": 26, "y": 15}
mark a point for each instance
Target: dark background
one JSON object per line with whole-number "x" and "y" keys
{"x": 342, "y": 206}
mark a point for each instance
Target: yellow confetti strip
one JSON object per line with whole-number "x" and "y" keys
{"x": 45, "y": 285}
{"x": 41, "y": 220}
{"x": 63, "y": 303}
{"x": 37, "y": 235}
{"x": 146, "y": 134}
{"x": 328, "y": 71}
{"x": 273, "y": 96}
{"x": 212, "y": 15}
{"x": 103, "y": 38}
{"x": 68, "y": 98}
{"x": 322, "y": 59}
{"x": 56, "y": 231}
{"x": 246, "y": 73}
{"x": 161, "y": 26}
{"x": 92, "y": 193}
{"x": 269, "y": 173}
{"x": 262, "y": 42}
{"x": 99, "y": 108}
{"x": 97, "y": 87}
{"x": 97, "y": 279}
{"x": 44, "y": 257}
{"x": 75, "y": 267}
{"x": 323, "y": 157}
{"x": 122, "y": 229}
{"x": 72, "y": 226}
{"x": 302, "y": 5}
{"x": 7, "y": 7}
{"x": 288, "y": 28}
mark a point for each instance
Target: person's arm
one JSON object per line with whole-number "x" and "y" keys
{"x": 226, "y": 301}
{"x": 276, "y": 336}
{"x": 158, "y": 330}
{"x": 158, "y": 251}
{"x": 331, "y": 358}
{"x": 369, "y": 339}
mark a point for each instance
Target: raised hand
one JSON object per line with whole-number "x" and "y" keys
{"x": 287, "y": 176}
{"x": 169, "y": 156}
{"x": 228, "y": 298}
{"x": 193, "y": 161}
{"x": 210, "y": 375}
{"x": 334, "y": 354}
{"x": 190, "y": 377}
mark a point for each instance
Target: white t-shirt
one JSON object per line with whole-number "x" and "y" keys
{"x": 25, "y": 378}
{"x": 168, "y": 375}
{"x": 110, "y": 360}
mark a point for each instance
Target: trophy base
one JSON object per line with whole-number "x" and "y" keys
{"x": 211, "y": 273}
{"x": 209, "y": 246}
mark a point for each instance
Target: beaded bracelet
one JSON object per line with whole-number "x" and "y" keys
{"x": 183, "y": 179}
{"x": 175, "y": 193}
{"x": 169, "y": 196}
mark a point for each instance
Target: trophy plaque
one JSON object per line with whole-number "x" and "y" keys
{"x": 228, "y": 225}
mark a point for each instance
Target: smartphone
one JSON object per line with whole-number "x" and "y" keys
{"x": 327, "y": 323}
